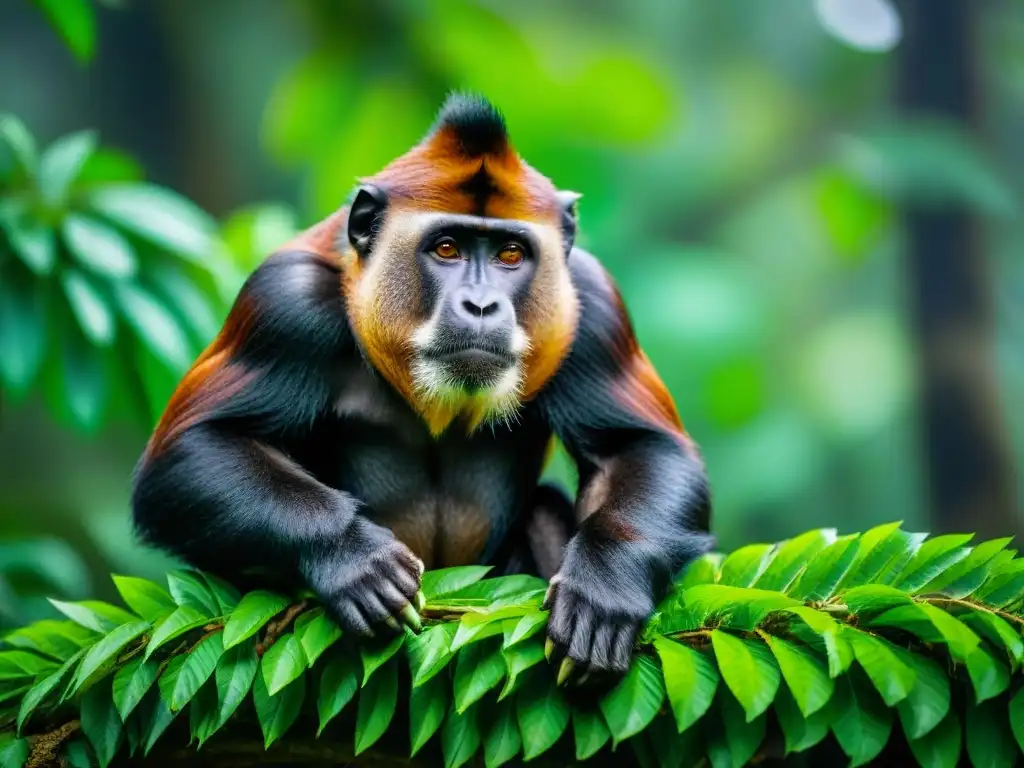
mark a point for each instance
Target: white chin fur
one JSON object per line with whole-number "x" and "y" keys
{"x": 497, "y": 402}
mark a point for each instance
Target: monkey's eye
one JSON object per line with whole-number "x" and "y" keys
{"x": 446, "y": 250}
{"x": 511, "y": 255}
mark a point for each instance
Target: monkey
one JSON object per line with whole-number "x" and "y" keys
{"x": 384, "y": 392}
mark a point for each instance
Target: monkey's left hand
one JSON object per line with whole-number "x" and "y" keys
{"x": 599, "y": 600}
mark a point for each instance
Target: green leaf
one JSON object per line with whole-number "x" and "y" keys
{"x": 429, "y": 652}
{"x": 44, "y": 687}
{"x": 999, "y": 632}
{"x": 14, "y": 753}
{"x": 804, "y": 673}
{"x": 106, "y": 649}
{"x": 703, "y": 570}
{"x": 892, "y": 678}
{"x": 317, "y": 632}
{"x": 202, "y": 713}
{"x": 197, "y": 668}
{"x": 1017, "y": 717}
{"x": 150, "y": 601}
{"x": 182, "y": 620}
{"x": 631, "y": 705}
{"x": 16, "y": 136}
{"x": 338, "y": 684}
{"x": 800, "y": 733}
{"x": 106, "y": 165}
{"x": 132, "y": 682}
{"x": 376, "y": 706}
{"x": 84, "y": 380}
{"x": 878, "y": 546}
{"x": 444, "y": 581}
{"x": 283, "y": 662}
{"x": 989, "y": 740}
{"x": 59, "y": 639}
{"x": 225, "y": 595}
{"x": 156, "y": 716}
{"x": 510, "y": 589}
{"x": 745, "y": 565}
{"x": 253, "y": 611}
{"x": 543, "y": 714}
{"x": 100, "y": 249}
{"x": 154, "y": 326}
{"x": 427, "y": 707}
{"x": 825, "y": 572}
{"x": 376, "y": 656}
{"x": 932, "y": 625}
{"x": 277, "y": 713}
{"x": 690, "y": 680}
{"x": 190, "y": 304}
{"x": 15, "y": 665}
{"x": 470, "y": 632}
{"x": 791, "y": 558}
{"x": 502, "y": 741}
{"x": 988, "y": 676}
{"x": 528, "y": 626}
{"x": 733, "y": 739}
{"x": 911, "y": 544}
{"x": 749, "y": 670}
{"x": 859, "y": 719}
{"x": 60, "y": 165}
{"x": 928, "y": 702}
{"x": 460, "y": 738}
{"x": 840, "y": 653}
{"x": 89, "y": 307}
{"x": 932, "y": 559}
{"x": 233, "y": 679}
{"x": 101, "y": 723}
{"x": 479, "y": 669}
{"x": 968, "y": 574}
{"x": 33, "y": 241}
{"x": 189, "y": 589}
{"x": 591, "y": 732}
{"x": 940, "y": 747}
{"x": 23, "y": 335}
{"x": 874, "y": 598}
{"x": 518, "y": 659}
{"x": 159, "y": 216}
{"x": 75, "y": 22}
{"x": 1005, "y": 585}
{"x": 732, "y": 607}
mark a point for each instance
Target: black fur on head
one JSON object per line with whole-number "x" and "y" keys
{"x": 476, "y": 122}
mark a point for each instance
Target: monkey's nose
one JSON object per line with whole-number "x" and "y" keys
{"x": 480, "y": 306}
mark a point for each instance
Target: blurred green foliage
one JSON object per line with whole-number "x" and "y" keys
{"x": 742, "y": 171}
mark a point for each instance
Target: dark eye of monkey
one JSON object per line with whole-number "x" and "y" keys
{"x": 445, "y": 249}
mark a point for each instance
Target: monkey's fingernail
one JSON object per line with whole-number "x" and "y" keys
{"x": 421, "y": 601}
{"x": 393, "y": 623}
{"x": 549, "y": 648}
{"x": 411, "y": 617}
{"x": 421, "y": 566}
{"x": 565, "y": 670}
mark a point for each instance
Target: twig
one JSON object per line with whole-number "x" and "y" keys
{"x": 276, "y": 628}
{"x": 46, "y": 747}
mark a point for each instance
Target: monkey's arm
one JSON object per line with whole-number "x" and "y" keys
{"x": 214, "y": 484}
{"x": 644, "y": 502}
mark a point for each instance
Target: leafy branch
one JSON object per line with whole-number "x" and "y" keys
{"x": 781, "y": 644}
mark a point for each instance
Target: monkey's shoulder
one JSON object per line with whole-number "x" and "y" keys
{"x": 293, "y": 304}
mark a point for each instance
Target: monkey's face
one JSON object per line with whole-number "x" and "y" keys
{"x": 462, "y": 313}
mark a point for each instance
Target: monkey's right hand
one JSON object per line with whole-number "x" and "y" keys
{"x": 367, "y": 581}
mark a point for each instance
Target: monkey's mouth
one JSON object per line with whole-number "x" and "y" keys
{"x": 472, "y": 367}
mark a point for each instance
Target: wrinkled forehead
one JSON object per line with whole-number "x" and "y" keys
{"x": 416, "y": 229}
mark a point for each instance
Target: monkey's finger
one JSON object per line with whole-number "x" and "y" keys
{"x": 622, "y": 649}
{"x": 411, "y": 564}
{"x": 398, "y": 606}
{"x": 582, "y": 636}
{"x": 560, "y": 624}
{"x": 601, "y": 649}
{"x": 403, "y": 581}
{"x": 351, "y": 618}
{"x": 374, "y": 609}
{"x": 550, "y": 594}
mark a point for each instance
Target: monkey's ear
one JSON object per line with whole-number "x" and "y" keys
{"x": 364, "y": 215}
{"x": 567, "y": 200}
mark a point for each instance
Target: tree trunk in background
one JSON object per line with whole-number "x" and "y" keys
{"x": 966, "y": 447}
